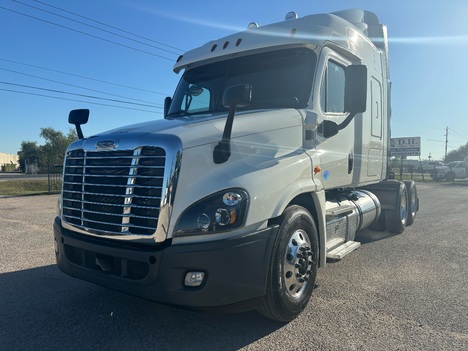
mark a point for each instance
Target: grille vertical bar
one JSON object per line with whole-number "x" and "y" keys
{"x": 114, "y": 192}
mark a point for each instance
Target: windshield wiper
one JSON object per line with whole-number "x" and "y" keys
{"x": 179, "y": 114}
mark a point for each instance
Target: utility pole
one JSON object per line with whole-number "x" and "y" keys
{"x": 446, "y": 141}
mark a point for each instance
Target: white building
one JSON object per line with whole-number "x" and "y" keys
{"x": 8, "y": 159}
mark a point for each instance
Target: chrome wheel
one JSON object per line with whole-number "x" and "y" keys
{"x": 297, "y": 264}
{"x": 403, "y": 208}
{"x": 412, "y": 202}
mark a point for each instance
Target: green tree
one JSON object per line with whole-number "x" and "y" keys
{"x": 51, "y": 153}
{"x": 458, "y": 154}
{"x": 29, "y": 154}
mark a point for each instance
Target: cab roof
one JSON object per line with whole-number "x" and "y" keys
{"x": 312, "y": 30}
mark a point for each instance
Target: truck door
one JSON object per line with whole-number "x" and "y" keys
{"x": 372, "y": 167}
{"x": 340, "y": 154}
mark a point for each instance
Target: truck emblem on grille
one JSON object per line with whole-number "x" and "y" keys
{"x": 106, "y": 145}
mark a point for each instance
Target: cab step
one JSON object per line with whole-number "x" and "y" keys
{"x": 341, "y": 251}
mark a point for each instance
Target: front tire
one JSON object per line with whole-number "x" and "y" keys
{"x": 293, "y": 267}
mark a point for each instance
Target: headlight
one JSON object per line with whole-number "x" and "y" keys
{"x": 216, "y": 213}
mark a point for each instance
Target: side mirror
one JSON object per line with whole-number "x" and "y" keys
{"x": 237, "y": 96}
{"x": 355, "y": 100}
{"x": 355, "y": 89}
{"x": 167, "y": 105}
{"x": 78, "y": 117}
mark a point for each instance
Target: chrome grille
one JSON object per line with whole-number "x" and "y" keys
{"x": 114, "y": 192}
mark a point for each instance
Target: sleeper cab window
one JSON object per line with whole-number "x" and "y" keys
{"x": 333, "y": 89}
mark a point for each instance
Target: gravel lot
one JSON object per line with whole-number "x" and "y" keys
{"x": 403, "y": 292}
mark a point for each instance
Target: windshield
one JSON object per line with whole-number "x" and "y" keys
{"x": 279, "y": 79}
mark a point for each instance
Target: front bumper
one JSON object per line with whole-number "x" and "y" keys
{"x": 235, "y": 269}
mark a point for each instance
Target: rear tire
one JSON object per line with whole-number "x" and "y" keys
{"x": 398, "y": 217}
{"x": 412, "y": 202}
{"x": 293, "y": 267}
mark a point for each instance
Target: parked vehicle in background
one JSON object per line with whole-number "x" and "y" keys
{"x": 429, "y": 166}
{"x": 450, "y": 172}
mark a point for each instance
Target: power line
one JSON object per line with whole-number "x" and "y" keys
{"x": 75, "y": 94}
{"x": 72, "y": 85}
{"x": 84, "y": 77}
{"x": 88, "y": 34}
{"x": 459, "y": 135}
{"x": 409, "y": 123}
{"x": 87, "y": 102}
{"x": 88, "y": 25}
{"x": 107, "y": 25}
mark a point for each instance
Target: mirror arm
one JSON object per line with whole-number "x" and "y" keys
{"x": 167, "y": 105}
{"x": 222, "y": 151}
{"x": 235, "y": 96}
{"x": 79, "y": 131}
{"x": 347, "y": 121}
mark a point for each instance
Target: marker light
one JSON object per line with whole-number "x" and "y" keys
{"x": 290, "y": 16}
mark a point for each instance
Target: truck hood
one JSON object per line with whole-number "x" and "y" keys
{"x": 194, "y": 132}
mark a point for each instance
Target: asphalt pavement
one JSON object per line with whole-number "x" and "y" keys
{"x": 396, "y": 292}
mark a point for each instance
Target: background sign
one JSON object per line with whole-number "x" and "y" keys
{"x": 409, "y": 146}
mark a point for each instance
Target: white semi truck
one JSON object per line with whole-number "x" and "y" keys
{"x": 272, "y": 154}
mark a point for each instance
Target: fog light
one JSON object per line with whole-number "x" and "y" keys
{"x": 194, "y": 279}
{"x": 56, "y": 247}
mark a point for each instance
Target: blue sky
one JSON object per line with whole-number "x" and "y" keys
{"x": 43, "y": 56}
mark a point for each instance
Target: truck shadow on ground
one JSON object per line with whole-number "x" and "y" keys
{"x": 42, "y": 309}
{"x": 367, "y": 236}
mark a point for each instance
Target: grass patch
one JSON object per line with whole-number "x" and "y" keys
{"x": 458, "y": 182}
{"x": 23, "y": 187}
